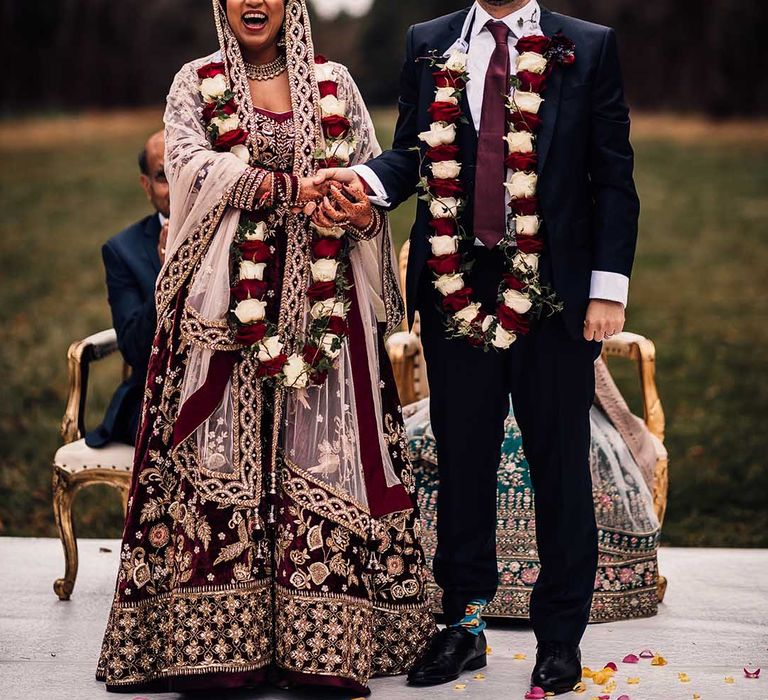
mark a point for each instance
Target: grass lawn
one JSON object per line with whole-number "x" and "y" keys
{"x": 68, "y": 184}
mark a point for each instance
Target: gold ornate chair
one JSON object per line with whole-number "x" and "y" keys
{"x": 76, "y": 465}
{"x": 406, "y": 355}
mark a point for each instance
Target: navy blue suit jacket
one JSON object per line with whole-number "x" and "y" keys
{"x": 587, "y": 193}
{"x": 132, "y": 265}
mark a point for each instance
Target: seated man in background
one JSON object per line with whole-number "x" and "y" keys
{"x": 132, "y": 260}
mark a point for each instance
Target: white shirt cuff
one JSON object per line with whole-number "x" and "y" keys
{"x": 379, "y": 197}
{"x": 609, "y": 286}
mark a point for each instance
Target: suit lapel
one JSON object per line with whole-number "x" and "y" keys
{"x": 150, "y": 239}
{"x": 550, "y": 25}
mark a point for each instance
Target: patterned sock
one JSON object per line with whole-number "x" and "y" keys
{"x": 473, "y": 620}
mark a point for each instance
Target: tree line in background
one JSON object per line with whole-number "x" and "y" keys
{"x": 679, "y": 55}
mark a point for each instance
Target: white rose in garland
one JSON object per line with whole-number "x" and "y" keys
{"x": 446, "y": 94}
{"x": 328, "y": 307}
{"x": 296, "y": 372}
{"x": 531, "y": 62}
{"x": 335, "y": 232}
{"x": 457, "y": 62}
{"x": 446, "y": 169}
{"x": 259, "y": 233}
{"x": 527, "y": 101}
{"x": 324, "y": 270}
{"x": 214, "y": 88}
{"x": 467, "y": 314}
{"x": 226, "y": 124}
{"x": 251, "y": 270}
{"x": 448, "y": 284}
{"x": 270, "y": 348}
{"x": 444, "y": 245}
{"x": 527, "y": 225}
{"x": 324, "y": 72}
{"x": 333, "y": 106}
{"x": 519, "y": 141}
{"x": 525, "y": 263}
{"x": 439, "y": 134}
{"x": 522, "y": 185}
{"x": 341, "y": 150}
{"x": 444, "y": 207}
{"x": 502, "y": 338}
{"x": 251, "y": 311}
{"x": 330, "y": 345}
{"x": 517, "y": 301}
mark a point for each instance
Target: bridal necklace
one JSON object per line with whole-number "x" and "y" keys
{"x": 266, "y": 71}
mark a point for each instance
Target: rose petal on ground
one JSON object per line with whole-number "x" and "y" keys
{"x": 610, "y": 686}
{"x": 460, "y": 686}
{"x": 751, "y": 674}
{"x": 683, "y": 678}
{"x": 519, "y": 657}
{"x": 587, "y": 672}
{"x": 729, "y": 679}
{"x": 696, "y": 696}
{"x": 633, "y": 680}
{"x": 623, "y": 697}
{"x": 479, "y": 677}
{"x": 600, "y": 677}
{"x": 631, "y": 659}
{"x": 646, "y": 654}
{"x": 658, "y": 661}
{"x": 535, "y": 693}
{"x": 612, "y": 666}
{"x": 580, "y": 687}
{"x": 488, "y": 650}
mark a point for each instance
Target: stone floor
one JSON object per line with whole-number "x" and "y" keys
{"x": 713, "y": 623}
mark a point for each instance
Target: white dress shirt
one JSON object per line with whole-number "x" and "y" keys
{"x": 610, "y": 286}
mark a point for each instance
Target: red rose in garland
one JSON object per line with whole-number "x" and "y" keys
{"x": 211, "y": 70}
{"x": 336, "y": 126}
{"x": 255, "y": 251}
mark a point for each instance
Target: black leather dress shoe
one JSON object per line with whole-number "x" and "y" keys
{"x": 451, "y": 651}
{"x": 558, "y": 667}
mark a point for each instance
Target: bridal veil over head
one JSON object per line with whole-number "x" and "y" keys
{"x": 317, "y": 429}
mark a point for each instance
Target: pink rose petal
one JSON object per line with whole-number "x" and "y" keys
{"x": 535, "y": 693}
{"x": 751, "y": 674}
{"x": 646, "y": 654}
{"x": 612, "y": 666}
{"x": 623, "y": 697}
{"x": 631, "y": 659}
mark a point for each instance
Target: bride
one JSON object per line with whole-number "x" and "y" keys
{"x": 271, "y": 520}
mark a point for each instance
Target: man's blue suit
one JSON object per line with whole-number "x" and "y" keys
{"x": 132, "y": 265}
{"x": 590, "y": 220}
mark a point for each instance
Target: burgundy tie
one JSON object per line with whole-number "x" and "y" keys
{"x": 490, "y": 171}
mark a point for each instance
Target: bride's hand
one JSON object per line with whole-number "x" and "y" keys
{"x": 346, "y": 205}
{"x": 312, "y": 193}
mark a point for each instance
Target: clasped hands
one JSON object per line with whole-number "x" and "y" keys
{"x": 336, "y": 197}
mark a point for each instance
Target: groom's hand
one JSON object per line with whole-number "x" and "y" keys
{"x": 604, "y": 320}
{"x": 344, "y": 176}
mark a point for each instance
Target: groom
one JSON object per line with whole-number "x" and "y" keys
{"x": 589, "y": 210}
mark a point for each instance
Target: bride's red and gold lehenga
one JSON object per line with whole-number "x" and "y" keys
{"x": 268, "y": 527}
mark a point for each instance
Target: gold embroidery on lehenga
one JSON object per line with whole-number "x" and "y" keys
{"x": 190, "y": 631}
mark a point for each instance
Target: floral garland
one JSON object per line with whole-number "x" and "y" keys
{"x": 253, "y": 255}
{"x": 521, "y": 293}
